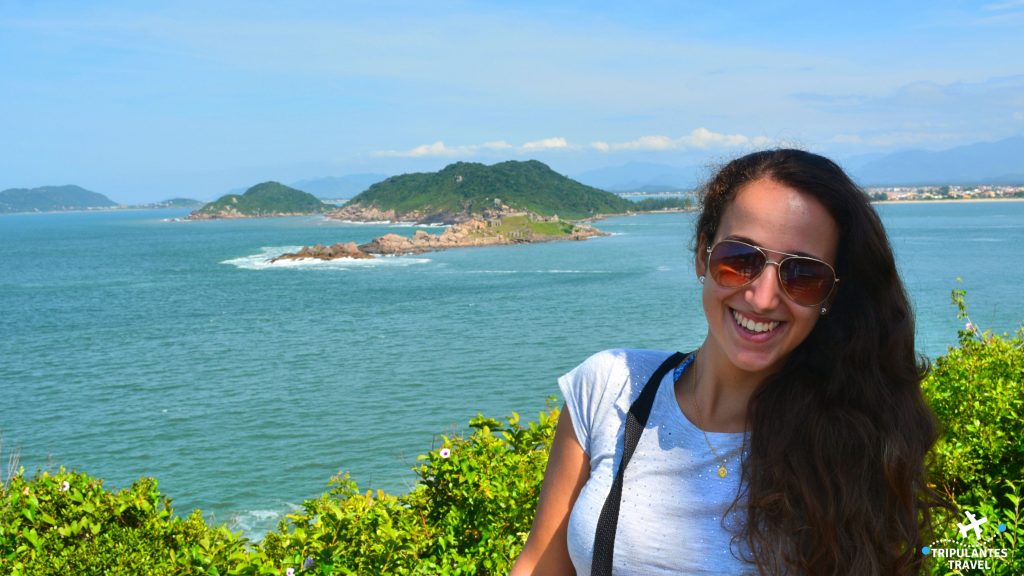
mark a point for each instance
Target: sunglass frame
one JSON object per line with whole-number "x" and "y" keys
{"x": 778, "y": 269}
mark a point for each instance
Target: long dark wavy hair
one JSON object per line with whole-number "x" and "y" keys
{"x": 835, "y": 475}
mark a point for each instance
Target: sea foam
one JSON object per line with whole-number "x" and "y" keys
{"x": 254, "y": 524}
{"x": 262, "y": 261}
{"x": 547, "y": 271}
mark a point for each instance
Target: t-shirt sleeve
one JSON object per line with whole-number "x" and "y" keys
{"x": 584, "y": 389}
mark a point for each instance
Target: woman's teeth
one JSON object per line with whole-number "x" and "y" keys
{"x": 754, "y": 326}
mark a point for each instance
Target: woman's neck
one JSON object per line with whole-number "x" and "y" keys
{"x": 720, "y": 391}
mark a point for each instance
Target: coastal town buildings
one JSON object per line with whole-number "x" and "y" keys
{"x": 945, "y": 192}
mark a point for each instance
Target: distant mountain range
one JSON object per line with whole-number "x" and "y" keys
{"x": 999, "y": 162}
{"x": 52, "y": 198}
{"x": 642, "y": 177}
{"x": 71, "y": 197}
{"x": 334, "y": 187}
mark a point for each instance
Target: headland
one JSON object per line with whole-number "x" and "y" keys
{"x": 515, "y": 228}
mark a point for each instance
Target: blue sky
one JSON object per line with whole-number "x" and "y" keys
{"x": 144, "y": 101}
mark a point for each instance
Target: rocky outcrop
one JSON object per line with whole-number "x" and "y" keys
{"x": 471, "y": 233}
{"x": 364, "y": 214}
{"x": 360, "y": 213}
{"x": 321, "y": 252}
{"x": 231, "y": 213}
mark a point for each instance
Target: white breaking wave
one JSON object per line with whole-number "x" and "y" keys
{"x": 551, "y": 271}
{"x": 366, "y": 222}
{"x": 398, "y": 224}
{"x": 262, "y": 261}
{"x": 254, "y": 524}
{"x": 415, "y": 225}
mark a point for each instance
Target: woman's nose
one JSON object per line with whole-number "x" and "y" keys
{"x": 764, "y": 292}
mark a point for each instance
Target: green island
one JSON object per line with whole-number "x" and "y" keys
{"x": 507, "y": 203}
{"x": 465, "y": 190}
{"x": 262, "y": 200}
{"x": 52, "y": 199}
{"x": 473, "y": 503}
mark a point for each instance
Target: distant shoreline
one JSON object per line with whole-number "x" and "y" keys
{"x": 600, "y": 217}
{"x": 948, "y": 201}
{"x": 590, "y": 219}
{"x": 101, "y": 209}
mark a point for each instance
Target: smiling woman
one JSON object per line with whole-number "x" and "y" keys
{"x": 792, "y": 441}
{"x": 754, "y": 320}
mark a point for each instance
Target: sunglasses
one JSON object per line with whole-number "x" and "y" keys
{"x": 806, "y": 281}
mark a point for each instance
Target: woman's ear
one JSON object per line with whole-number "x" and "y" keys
{"x": 700, "y": 256}
{"x": 826, "y": 306}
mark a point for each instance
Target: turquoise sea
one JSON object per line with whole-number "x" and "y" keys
{"x": 132, "y": 345}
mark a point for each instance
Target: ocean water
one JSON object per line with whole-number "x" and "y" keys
{"x": 132, "y": 345}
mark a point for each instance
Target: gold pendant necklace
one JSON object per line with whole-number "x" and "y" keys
{"x": 722, "y": 470}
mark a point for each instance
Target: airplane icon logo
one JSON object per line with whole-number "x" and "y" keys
{"x": 974, "y": 524}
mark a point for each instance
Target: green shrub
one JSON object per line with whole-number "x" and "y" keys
{"x": 67, "y": 523}
{"x": 470, "y": 512}
{"x": 977, "y": 393}
{"x": 480, "y": 501}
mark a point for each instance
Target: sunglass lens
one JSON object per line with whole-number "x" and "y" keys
{"x": 733, "y": 264}
{"x": 808, "y": 282}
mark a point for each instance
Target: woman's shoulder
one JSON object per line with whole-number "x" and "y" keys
{"x": 624, "y": 361}
{"x": 599, "y": 391}
{"x": 615, "y": 373}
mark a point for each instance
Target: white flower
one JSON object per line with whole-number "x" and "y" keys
{"x": 289, "y": 572}
{"x": 65, "y": 486}
{"x": 970, "y": 327}
{"x": 445, "y": 452}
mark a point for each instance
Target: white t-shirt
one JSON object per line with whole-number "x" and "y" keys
{"x": 673, "y": 501}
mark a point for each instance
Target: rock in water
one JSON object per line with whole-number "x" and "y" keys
{"x": 320, "y": 252}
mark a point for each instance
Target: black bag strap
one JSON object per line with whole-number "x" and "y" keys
{"x": 636, "y": 420}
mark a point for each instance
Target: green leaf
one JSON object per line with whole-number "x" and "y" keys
{"x": 33, "y": 537}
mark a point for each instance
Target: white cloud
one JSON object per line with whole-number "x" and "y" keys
{"x": 439, "y": 148}
{"x": 648, "y": 143}
{"x": 704, "y": 138}
{"x": 436, "y": 149}
{"x": 496, "y": 145}
{"x": 698, "y": 138}
{"x": 545, "y": 144}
